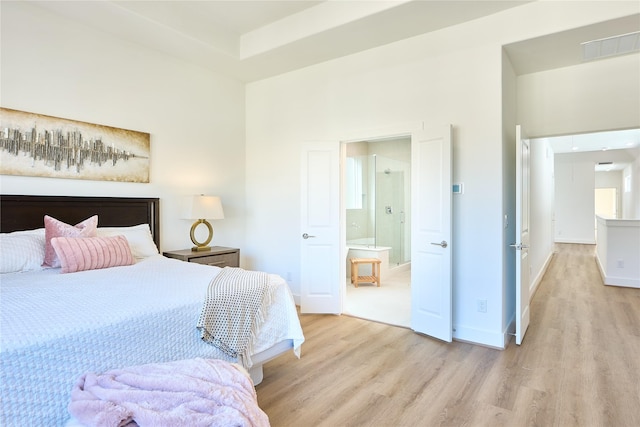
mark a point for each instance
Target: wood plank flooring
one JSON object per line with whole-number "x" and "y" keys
{"x": 579, "y": 365}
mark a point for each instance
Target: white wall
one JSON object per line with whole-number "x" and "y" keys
{"x": 362, "y": 93}
{"x": 595, "y": 96}
{"x": 631, "y": 195}
{"x": 450, "y": 76}
{"x": 196, "y": 118}
{"x": 542, "y": 209}
{"x": 574, "y": 198}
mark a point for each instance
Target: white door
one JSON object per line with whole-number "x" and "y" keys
{"x": 522, "y": 235}
{"x": 431, "y": 286}
{"x": 320, "y": 228}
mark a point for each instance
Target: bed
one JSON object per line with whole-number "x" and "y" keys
{"x": 55, "y": 327}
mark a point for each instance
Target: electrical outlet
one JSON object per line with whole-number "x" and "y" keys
{"x": 289, "y": 276}
{"x": 620, "y": 263}
{"x": 482, "y": 305}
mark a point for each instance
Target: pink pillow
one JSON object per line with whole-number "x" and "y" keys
{"x": 92, "y": 253}
{"x": 55, "y": 228}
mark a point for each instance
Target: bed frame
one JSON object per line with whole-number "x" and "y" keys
{"x": 27, "y": 212}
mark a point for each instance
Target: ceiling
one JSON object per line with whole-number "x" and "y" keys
{"x": 597, "y": 141}
{"x": 255, "y": 39}
{"x": 563, "y": 49}
{"x": 615, "y": 149}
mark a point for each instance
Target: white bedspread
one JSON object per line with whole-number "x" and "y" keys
{"x": 55, "y": 327}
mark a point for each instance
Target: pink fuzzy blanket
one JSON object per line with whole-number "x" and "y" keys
{"x": 194, "y": 392}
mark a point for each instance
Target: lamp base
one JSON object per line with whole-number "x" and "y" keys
{"x": 201, "y": 246}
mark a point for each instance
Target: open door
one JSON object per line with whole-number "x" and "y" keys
{"x": 522, "y": 235}
{"x": 320, "y": 228}
{"x": 431, "y": 279}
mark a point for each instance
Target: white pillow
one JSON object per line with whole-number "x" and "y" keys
{"x": 22, "y": 251}
{"x": 139, "y": 238}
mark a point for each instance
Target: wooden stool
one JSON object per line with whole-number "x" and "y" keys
{"x": 375, "y": 271}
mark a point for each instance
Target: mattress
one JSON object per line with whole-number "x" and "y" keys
{"x": 55, "y": 327}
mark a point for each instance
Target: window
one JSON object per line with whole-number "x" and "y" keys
{"x": 354, "y": 182}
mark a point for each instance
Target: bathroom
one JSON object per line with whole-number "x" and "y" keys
{"x": 378, "y": 225}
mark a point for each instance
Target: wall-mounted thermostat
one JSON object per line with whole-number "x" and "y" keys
{"x": 458, "y": 188}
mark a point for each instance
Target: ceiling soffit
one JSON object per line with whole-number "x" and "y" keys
{"x": 251, "y": 40}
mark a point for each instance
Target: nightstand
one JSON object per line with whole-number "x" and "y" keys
{"x": 218, "y": 256}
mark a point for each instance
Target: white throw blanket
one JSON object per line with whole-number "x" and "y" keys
{"x": 192, "y": 392}
{"x": 234, "y": 310}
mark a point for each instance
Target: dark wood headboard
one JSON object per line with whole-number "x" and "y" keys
{"x": 27, "y": 212}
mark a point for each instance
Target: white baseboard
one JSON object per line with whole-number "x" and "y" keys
{"x": 576, "y": 241}
{"x": 510, "y": 330}
{"x": 481, "y": 337}
{"x": 624, "y": 282}
{"x": 538, "y": 279}
{"x": 600, "y": 267}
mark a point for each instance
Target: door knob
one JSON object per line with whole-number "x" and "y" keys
{"x": 519, "y": 246}
{"x": 306, "y": 236}
{"x": 443, "y": 244}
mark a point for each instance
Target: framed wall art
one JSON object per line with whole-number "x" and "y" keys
{"x": 45, "y": 146}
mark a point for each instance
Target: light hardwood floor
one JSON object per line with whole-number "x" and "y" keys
{"x": 579, "y": 365}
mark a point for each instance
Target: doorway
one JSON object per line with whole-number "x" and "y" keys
{"x": 606, "y": 202}
{"x": 323, "y": 251}
{"x": 377, "y": 188}
{"x": 563, "y": 197}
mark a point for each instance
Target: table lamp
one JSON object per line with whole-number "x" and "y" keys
{"x": 201, "y": 208}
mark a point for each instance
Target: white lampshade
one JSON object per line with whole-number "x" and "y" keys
{"x": 202, "y": 207}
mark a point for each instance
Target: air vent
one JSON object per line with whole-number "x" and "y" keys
{"x": 604, "y": 163}
{"x": 611, "y": 46}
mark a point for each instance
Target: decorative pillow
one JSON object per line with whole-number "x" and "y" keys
{"x": 91, "y": 253}
{"x": 21, "y": 251}
{"x": 55, "y": 228}
{"x": 139, "y": 238}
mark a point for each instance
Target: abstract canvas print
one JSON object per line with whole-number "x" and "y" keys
{"x": 45, "y": 146}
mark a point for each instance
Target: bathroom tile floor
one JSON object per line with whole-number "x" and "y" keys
{"x": 390, "y": 303}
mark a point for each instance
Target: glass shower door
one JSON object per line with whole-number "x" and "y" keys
{"x": 390, "y": 210}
